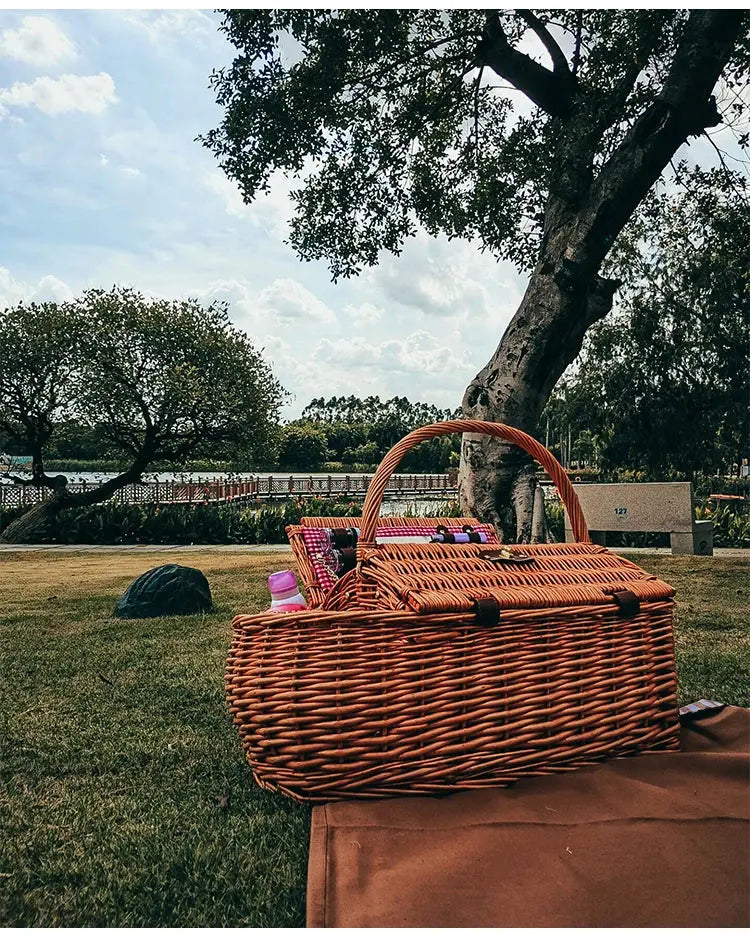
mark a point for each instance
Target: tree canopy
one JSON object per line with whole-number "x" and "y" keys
{"x": 157, "y": 379}
{"x": 361, "y": 431}
{"x": 663, "y": 382}
{"x": 397, "y": 118}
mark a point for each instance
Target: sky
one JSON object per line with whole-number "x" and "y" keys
{"x": 102, "y": 182}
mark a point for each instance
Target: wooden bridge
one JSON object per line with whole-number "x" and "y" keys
{"x": 254, "y": 490}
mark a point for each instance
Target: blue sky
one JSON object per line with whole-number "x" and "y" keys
{"x": 102, "y": 182}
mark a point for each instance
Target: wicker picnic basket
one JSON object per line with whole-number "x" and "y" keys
{"x": 433, "y": 668}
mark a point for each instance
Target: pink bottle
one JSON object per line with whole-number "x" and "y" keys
{"x": 285, "y": 594}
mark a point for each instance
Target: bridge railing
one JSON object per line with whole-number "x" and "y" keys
{"x": 253, "y": 489}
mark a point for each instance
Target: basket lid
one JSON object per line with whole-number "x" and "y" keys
{"x": 317, "y": 549}
{"x": 439, "y": 578}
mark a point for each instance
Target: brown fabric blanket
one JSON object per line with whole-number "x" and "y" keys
{"x": 657, "y": 840}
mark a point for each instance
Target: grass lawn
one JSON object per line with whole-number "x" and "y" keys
{"x": 116, "y": 747}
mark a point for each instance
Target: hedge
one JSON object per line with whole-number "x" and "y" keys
{"x": 120, "y": 523}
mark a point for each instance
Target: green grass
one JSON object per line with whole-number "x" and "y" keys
{"x": 712, "y": 632}
{"x": 116, "y": 746}
{"x": 116, "y": 749}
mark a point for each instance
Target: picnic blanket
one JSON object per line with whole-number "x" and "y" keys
{"x": 654, "y": 840}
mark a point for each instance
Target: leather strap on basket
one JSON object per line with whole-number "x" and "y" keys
{"x": 390, "y": 461}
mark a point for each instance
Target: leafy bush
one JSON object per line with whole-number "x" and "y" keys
{"x": 585, "y": 475}
{"x": 703, "y": 486}
{"x": 302, "y": 448}
{"x": 731, "y": 525}
{"x": 122, "y": 523}
{"x": 555, "y": 518}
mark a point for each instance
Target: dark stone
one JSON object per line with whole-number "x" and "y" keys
{"x": 169, "y": 590}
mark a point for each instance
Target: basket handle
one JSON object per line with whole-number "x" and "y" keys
{"x": 390, "y": 461}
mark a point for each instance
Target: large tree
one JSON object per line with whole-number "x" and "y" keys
{"x": 448, "y": 119}
{"x": 158, "y": 379}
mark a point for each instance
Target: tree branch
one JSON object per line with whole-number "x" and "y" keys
{"x": 559, "y": 62}
{"x": 579, "y": 38}
{"x": 728, "y": 175}
{"x": 539, "y": 84}
{"x": 683, "y": 108}
{"x": 643, "y": 47}
{"x": 110, "y": 487}
{"x": 476, "y": 112}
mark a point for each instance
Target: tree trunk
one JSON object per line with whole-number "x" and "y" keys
{"x": 31, "y": 523}
{"x": 496, "y": 481}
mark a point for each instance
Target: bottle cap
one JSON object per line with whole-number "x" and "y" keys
{"x": 282, "y": 582}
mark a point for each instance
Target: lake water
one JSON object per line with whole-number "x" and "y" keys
{"x": 76, "y": 477}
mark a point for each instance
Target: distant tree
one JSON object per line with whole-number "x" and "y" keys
{"x": 343, "y": 438}
{"x": 585, "y": 448}
{"x": 366, "y": 453}
{"x": 361, "y": 431}
{"x": 158, "y": 379}
{"x": 663, "y": 382}
{"x": 74, "y": 440}
{"x": 393, "y": 119}
{"x": 302, "y": 447}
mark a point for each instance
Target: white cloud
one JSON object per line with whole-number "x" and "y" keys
{"x": 269, "y": 211}
{"x": 11, "y": 291}
{"x": 419, "y": 353}
{"x": 282, "y": 306}
{"x": 289, "y": 302}
{"x": 237, "y": 294}
{"x": 131, "y": 171}
{"x": 37, "y": 41}
{"x": 88, "y": 93}
{"x": 364, "y": 314}
{"x": 103, "y": 159}
{"x": 160, "y": 26}
{"x": 228, "y": 192}
{"x": 440, "y": 278}
{"x": 52, "y": 288}
{"x": 48, "y": 287}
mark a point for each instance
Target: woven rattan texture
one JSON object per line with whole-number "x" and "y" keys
{"x": 451, "y": 578}
{"x": 314, "y": 539}
{"x": 369, "y": 704}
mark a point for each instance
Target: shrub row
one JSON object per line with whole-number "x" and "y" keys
{"x": 117, "y": 523}
{"x": 121, "y": 523}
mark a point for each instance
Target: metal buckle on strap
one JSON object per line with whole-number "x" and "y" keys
{"x": 505, "y": 556}
{"x": 626, "y": 600}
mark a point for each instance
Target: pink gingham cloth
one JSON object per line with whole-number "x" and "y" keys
{"x": 315, "y": 539}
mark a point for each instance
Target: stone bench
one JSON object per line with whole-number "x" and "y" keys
{"x": 644, "y": 507}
